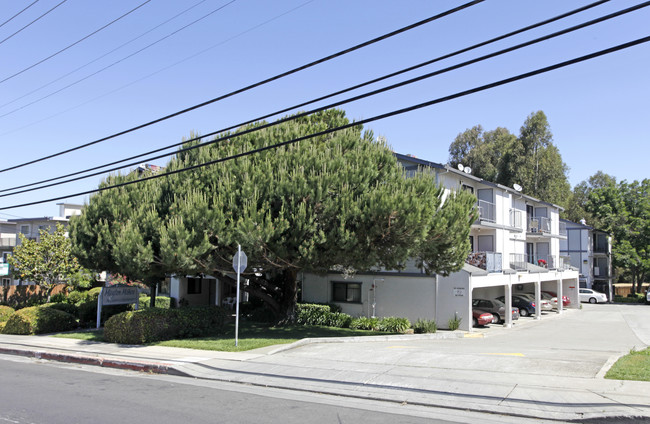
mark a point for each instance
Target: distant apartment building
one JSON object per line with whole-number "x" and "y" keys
{"x": 590, "y": 251}
{"x": 30, "y": 228}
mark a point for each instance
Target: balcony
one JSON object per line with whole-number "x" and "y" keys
{"x": 489, "y": 261}
{"x": 521, "y": 262}
{"x": 540, "y": 224}
{"x": 516, "y": 218}
{"x": 7, "y": 242}
{"x": 486, "y": 211}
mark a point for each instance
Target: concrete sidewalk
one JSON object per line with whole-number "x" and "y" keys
{"x": 445, "y": 369}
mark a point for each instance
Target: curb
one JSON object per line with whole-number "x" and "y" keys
{"x": 147, "y": 367}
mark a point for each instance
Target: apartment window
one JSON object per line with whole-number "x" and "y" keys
{"x": 346, "y": 292}
{"x": 468, "y": 188}
{"x": 5, "y": 257}
{"x": 24, "y": 229}
{"x": 194, "y": 285}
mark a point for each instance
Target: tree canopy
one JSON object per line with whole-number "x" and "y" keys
{"x": 530, "y": 160}
{"x": 335, "y": 202}
{"x": 47, "y": 261}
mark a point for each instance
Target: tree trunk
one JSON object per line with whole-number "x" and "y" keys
{"x": 152, "y": 289}
{"x": 289, "y": 296}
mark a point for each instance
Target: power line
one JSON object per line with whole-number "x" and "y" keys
{"x": 29, "y": 24}
{"x": 16, "y": 15}
{"x": 75, "y": 43}
{"x": 118, "y": 61}
{"x": 257, "y": 84}
{"x": 182, "y": 61}
{"x": 357, "y": 123}
{"x": 338, "y": 103}
{"x": 104, "y": 55}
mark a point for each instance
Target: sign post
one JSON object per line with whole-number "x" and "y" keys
{"x": 239, "y": 262}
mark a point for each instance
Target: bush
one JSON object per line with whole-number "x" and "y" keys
{"x": 629, "y": 299}
{"x": 5, "y": 313}
{"x": 364, "y": 323}
{"x": 422, "y": 326}
{"x": 162, "y": 302}
{"x": 320, "y": 314}
{"x": 58, "y": 298}
{"x": 88, "y": 311}
{"x": 454, "y": 323}
{"x": 394, "y": 324}
{"x": 93, "y": 294}
{"x": 77, "y": 297}
{"x": 339, "y": 320}
{"x": 39, "y": 320}
{"x": 155, "y": 324}
{"x": 65, "y": 307}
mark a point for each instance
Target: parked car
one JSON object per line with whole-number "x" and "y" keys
{"x": 525, "y": 305}
{"x": 496, "y": 308}
{"x": 565, "y": 299}
{"x": 545, "y": 305}
{"x": 481, "y": 317}
{"x": 592, "y": 296}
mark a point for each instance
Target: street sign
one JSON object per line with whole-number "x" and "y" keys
{"x": 4, "y": 269}
{"x": 239, "y": 262}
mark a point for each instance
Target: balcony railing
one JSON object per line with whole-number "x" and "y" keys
{"x": 520, "y": 261}
{"x": 516, "y": 219}
{"x": 486, "y": 211}
{"x": 489, "y": 261}
{"x": 7, "y": 242}
{"x": 539, "y": 224}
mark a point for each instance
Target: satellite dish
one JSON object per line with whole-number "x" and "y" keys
{"x": 517, "y": 187}
{"x": 468, "y": 170}
{"x": 461, "y": 167}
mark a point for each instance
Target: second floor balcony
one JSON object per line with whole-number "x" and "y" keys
{"x": 7, "y": 242}
{"x": 521, "y": 262}
{"x": 489, "y": 261}
{"x": 539, "y": 225}
{"x": 487, "y": 211}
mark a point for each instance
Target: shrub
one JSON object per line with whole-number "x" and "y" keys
{"x": 319, "y": 314}
{"x": 155, "y": 324}
{"x": 338, "y": 319}
{"x": 76, "y": 297}
{"x": 39, "y": 320}
{"x": 93, "y": 294}
{"x": 422, "y": 326}
{"x": 5, "y": 313}
{"x": 58, "y": 298}
{"x": 454, "y": 322}
{"x": 2, "y": 326}
{"x": 162, "y": 302}
{"x": 88, "y": 311}
{"x": 364, "y": 323}
{"x": 394, "y": 324}
{"x": 65, "y": 307}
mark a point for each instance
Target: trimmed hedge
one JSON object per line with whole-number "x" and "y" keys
{"x": 39, "y": 320}
{"x": 162, "y": 302}
{"x": 76, "y": 297}
{"x": 155, "y": 324}
{"x": 6, "y": 312}
{"x": 65, "y": 307}
{"x": 318, "y": 314}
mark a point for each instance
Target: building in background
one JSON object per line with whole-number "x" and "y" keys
{"x": 590, "y": 251}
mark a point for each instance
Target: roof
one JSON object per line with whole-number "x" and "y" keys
{"x": 452, "y": 170}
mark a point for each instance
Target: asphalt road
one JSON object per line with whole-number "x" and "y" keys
{"x": 40, "y": 392}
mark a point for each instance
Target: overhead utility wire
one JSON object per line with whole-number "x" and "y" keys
{"x": 368, "y": 94}
{"x": 357, "y": 123}
{"x": 16, "y": 15}
{"x": 118, "y": 61}
{"x": 150, "y": 45}
{"x": 257, "y": 84}
{"x": 29, "y": 24}
{"x": 179, "y": 62}
{"x": 104, "y": 55}
{"x": 73, "y": 44}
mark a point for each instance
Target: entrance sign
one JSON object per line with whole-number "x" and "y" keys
{"x": 239, "y": 262}
{"x": 4, "y": 269}
{"x": 117, "y": 295}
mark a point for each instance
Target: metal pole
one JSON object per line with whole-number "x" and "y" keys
{"x": 237, "y": 302}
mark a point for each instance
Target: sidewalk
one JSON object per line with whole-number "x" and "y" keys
{"x": 394, "y": 369}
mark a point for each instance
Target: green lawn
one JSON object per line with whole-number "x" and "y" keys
{"x": 251, "y": 336}
{"x": 633, "y": 366}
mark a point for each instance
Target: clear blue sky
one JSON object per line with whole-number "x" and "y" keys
{"x": 598, "y": 110}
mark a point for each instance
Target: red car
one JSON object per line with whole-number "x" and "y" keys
{"x": 481, "y": 317}
{"x": 565, "y": 300}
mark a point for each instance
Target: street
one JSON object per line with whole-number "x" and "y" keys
{"x": 42, "y": 392}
